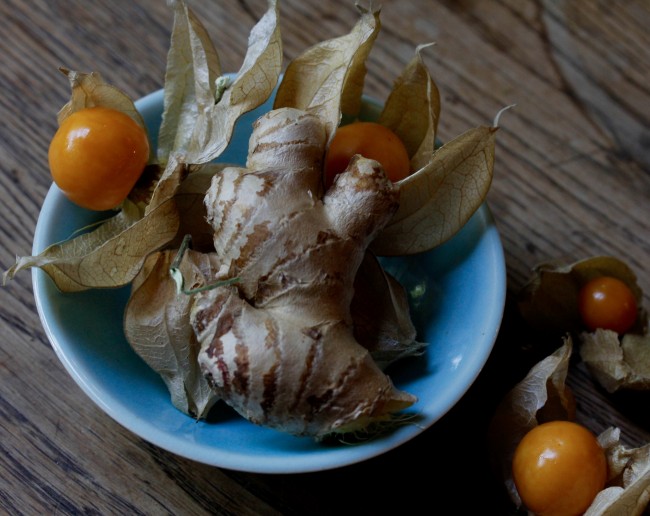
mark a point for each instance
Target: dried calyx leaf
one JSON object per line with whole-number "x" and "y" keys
{"x": 193, "y": 68}
{"x": 412, "y": 111}
{"x": 447, "y": 185}
{"x": 90, "y": 90}
{"x": 628, "y": 489}
{"x": 112, "y": 253}
{"x": 437, "y": 200}
{"x": 81, "y": 263}
{"x": 617, "y": 363}
{"x": 327, "y": 79}
{"x": 381, "y": 315}
{"x": 191, "y": 210}
{"x": 549, "y": 301}
{"x": 202, "y": 105}
{"x": 543, "y": 396}
{"x": 156, "y": 325}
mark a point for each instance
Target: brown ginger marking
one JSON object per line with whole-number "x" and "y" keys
{"x": 268, "y": 182}
{"x": 265, "y": 288}
{"x": 226, "y": 209}
{"x": 241, "y": 375}
{"x": 272, "y": 146}
{"x": 248, "y": 211}
{"x": 225, "y": 206}
{"x": 215, "y": 349}
{"x": 313, "y": 333}
{"x": 317, "y": 402}
{"x": 259, "y": 235}
{"x": 208, "y": 314}
{"x": 308, "y": 369}
{"x": 277, "y": 126}
{"x": 324, "y": 237}
{"x": 320, "y": 403}
{"x": 270, "y": 379}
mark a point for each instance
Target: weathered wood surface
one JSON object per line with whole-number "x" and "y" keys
{"x": 572, "y": 180}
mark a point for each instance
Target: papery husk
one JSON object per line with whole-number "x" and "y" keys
{"x": 191, "y": 209}
{"x": 447, "y": 185}
{"x": 543, "y": 396}
{"x": 193, "y": 68}
{"x": 112, "y": 253}
{"x": 412, "y": 111}
{"x": 90, "y": 90}
{"x": 437, "y": 200}
{"x": 617, "y": 363}
{"x": 628, "y": 487}
{"x": 327, "y": 79}
{"x": 549, "y": 301}
{"x": 202, "y": 105}
{"x": 157, "y": 326}
{"x": 381, "y": 315}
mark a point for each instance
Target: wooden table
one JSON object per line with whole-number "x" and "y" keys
{"x": 572, "y": 180}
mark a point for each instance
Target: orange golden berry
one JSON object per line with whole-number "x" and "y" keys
{"x": 371, "y": 140}
{"x": 608, "y": 303}
{"x": 558, "y": 469}
{"x": 96, "y": 156}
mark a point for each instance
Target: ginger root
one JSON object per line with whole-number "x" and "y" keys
{"x": 279, "y": 346}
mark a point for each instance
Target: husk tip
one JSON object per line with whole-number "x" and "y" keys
{"x": 495, "y": 124}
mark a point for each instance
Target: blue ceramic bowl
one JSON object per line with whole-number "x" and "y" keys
{"x": 459, "y": 315}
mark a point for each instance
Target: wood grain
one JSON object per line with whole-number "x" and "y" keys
{"x": 572, "y": 180}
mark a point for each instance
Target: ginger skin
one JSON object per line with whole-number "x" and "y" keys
{"x": 279, "y": 346}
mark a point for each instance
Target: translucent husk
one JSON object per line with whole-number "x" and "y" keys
{"x": 549, "y": 303}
